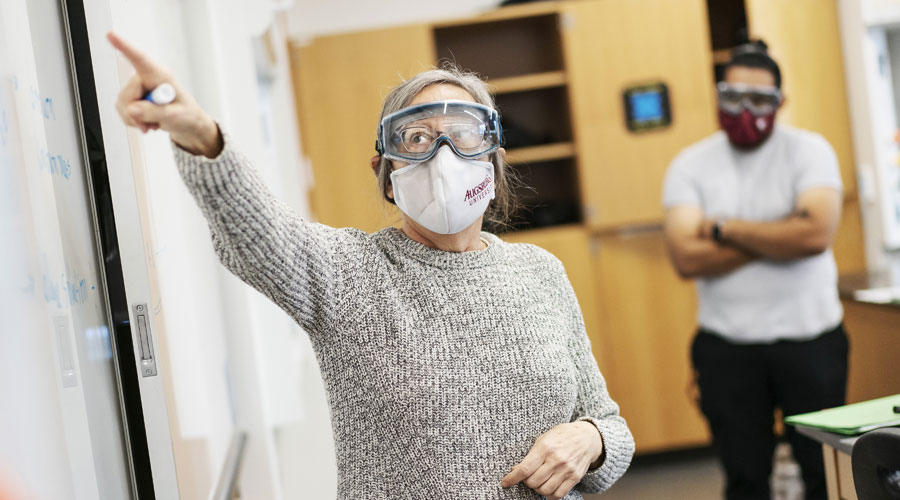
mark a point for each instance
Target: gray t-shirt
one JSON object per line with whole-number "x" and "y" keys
{"x": 765, "y": 300}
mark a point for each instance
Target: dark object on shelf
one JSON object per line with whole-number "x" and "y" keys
{"x": 727, "y": 23}
{"x": 555, "y": 213}
{"x": 517, "y": 136}
{"x": 647, "y": 107}
{"x": 546, "y": 214}
{"x": 535, "y": 117}
{"x": 876, "y": 465}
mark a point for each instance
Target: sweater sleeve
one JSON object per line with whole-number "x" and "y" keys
{"x": 293, "y": 262}
{"x": 595, "y": 406}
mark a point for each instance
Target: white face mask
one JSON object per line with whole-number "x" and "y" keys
{"x": 446, "y": 193}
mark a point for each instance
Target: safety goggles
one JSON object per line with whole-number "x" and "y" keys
{"x": 414, "y": 134}
{"x": 759, "y": 101}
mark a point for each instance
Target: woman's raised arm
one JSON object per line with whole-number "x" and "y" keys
{"x": 296, "y": 263}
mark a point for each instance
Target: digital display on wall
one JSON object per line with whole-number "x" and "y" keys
{"x": 647, "y": 107}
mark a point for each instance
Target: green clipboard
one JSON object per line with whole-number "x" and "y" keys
{"x": 852, "y": 419}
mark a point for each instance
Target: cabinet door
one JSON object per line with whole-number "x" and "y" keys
{"x": 849, "y": 253}
{"x": 804, "y": 37}
{"x": 340, "y": 82}
{"x": 648, "y": 322}
{"x": 874, "y": 348}
{"x": 609, "y": 46}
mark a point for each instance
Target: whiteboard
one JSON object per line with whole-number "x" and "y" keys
{"x": 61, "y": 434}
{"x": 66, "y": 342}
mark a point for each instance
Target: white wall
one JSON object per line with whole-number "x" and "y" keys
{"x": 871, "y": 95}
{"x": 310, "y": 18}
{"x": 879, "y": 12}
{"x": 268, "y": 351}
{"x": 238, "y": 362}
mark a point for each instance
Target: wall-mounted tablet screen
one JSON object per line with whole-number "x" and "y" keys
{"x": 647, "y": 107}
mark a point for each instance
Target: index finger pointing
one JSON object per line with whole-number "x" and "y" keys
{"x": 142, "y": 64}
{"x": 523, "y": 470}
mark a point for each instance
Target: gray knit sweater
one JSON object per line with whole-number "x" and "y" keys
{"x": 441, "y": 368}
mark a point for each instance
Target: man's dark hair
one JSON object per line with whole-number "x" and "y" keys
{"x": 754, "y": 54}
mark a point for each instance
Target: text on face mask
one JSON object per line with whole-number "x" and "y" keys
{"x": 478, "y": 192}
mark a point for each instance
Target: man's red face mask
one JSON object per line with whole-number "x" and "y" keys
{"x": 747, "y": 113}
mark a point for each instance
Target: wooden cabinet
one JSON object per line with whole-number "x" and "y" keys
{"x": 340, "y": 82}
{"x": 809, "y": 54}
{"x": 648, "y": 321}
{"x": 838, "y": 474}
{"x": 519, "y": 51}
{"x": 849, "y": 253}
{"x": 614, "y": 44}
{"x": 874, "y": 333}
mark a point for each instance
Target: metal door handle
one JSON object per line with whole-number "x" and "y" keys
{"x": 144, "y": 339}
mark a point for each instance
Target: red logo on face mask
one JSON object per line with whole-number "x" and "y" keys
{"x": 478, "y": 192}
{"x": 746, "y": 130}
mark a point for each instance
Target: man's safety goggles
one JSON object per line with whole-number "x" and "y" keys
{"x": 759, "y": 101}
{"x": 414, "y": 134}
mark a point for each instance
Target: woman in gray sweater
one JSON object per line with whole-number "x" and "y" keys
{"x": 457, "y": 365}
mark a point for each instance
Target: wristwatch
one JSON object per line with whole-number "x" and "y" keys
{"x": 717, "y": 232}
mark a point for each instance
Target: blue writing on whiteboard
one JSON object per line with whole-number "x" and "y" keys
{"x": 71, "y": 289}
{"x": 51, "y": 291}
{"x": 76, "y": 290}
{"x": 42, "y": 104}
{"x": 47, "y": 108}
{"x": 54, "y": 164}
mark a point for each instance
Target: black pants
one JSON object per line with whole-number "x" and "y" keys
{"x": 740, "y": 387}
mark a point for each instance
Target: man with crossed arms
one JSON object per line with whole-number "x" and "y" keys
{"x": 751, "y": 212}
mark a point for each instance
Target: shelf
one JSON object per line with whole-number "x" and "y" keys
{"x": 545, "y": 152}
{"x": 533, "y": 81}
{"x": 503, "y": 47}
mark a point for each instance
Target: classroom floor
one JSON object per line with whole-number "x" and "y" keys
{"x": 693, "y": 475}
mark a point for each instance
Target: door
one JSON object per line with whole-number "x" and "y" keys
{"x": 648, "y": 321}
{"x": 611, "y": 45}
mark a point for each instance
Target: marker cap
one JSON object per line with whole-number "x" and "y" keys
{"x": 162, "y": 94}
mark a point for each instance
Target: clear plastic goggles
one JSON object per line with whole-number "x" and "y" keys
{"x": 759, "y": 101}
{"x": 414, "y": 134}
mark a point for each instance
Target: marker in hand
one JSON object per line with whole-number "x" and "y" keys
{"x": 163, "y": 94}
{"x": 188, "y": 125}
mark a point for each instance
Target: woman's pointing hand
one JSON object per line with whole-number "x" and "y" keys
{"x": 189, "y": 126}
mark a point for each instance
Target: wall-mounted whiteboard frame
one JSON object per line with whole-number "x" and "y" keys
{"x": 119, "y": 225}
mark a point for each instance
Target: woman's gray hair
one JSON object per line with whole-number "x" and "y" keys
{"x": 503, "y": 205}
